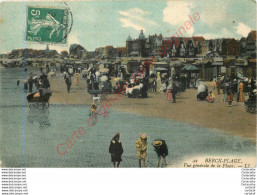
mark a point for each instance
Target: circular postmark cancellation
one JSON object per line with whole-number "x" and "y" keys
{"x": 48, "y": 25}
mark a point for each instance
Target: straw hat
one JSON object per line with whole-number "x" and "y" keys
{"x": 157, "y": 143}
{"x": 143, "y": 136}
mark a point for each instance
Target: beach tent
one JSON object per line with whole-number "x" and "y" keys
{"x": 104, "y": 70}
{"x": 190, "y": 68}
{"x": 160, "y": 69}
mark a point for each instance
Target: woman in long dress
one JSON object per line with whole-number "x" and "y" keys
{"x": 76, "y": 79}
{"x": 241, "y": 93}
{"x": 169, "y": 95}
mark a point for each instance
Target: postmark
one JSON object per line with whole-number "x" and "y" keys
{"x": 48, "y": 25}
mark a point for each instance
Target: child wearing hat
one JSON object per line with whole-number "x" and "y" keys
{"x": 116, "y": 150}
{"x": 161, "y": 150}
{"x": 141, "y": 145}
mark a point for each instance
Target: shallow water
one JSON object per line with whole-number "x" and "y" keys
{"x": 30, "y": 137}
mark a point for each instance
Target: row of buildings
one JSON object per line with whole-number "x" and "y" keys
{"x": 156, "y": 45}
{"x": 31, "y": 53}
{"x": 190, "y": 47}
{"x": 226, "y": 56}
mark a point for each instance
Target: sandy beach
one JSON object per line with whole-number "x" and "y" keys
{"x": 232, "y": 120}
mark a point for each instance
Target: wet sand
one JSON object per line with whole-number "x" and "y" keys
{"x": 232, "y": 120}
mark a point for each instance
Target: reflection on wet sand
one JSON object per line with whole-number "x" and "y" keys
{"x": 39, "y": 116}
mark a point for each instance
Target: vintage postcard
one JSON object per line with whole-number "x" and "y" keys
{"x": 128, "y": 84}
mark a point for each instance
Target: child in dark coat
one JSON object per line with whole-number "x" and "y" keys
{"x": 161, "y": 150}
{"x": 116, "y": 150}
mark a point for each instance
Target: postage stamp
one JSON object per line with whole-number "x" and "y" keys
{"x": 47, "y": 25}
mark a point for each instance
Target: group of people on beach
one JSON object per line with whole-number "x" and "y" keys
{"x": 40, "y": 82}
{"x": 97, "y": 80}
{"x": 137, "y": 88}
{"x": 116, "y": 150}
{"x": 234, "y": 89}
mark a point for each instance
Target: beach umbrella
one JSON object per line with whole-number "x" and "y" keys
{"x": 104, "y": 78}
{"x": 190, "y": 68}
{"x": 160, "y": 69}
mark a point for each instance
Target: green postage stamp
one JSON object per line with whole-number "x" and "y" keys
{"x": 47, "y": 25}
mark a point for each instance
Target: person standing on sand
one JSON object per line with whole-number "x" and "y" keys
{"x": 77, "y": 79}
{"x": 230, "y": 94}
{"x": 218, "y": 85}
{"x": 37, "y": 84}
{"x": 26, "y": 84}
{"x": 18, "y": 82}
{"x": 141, "y": 145}
{"x": 116, "y": 150}
{"x": 214, "y": 84}
{"x": 158, "y": 77}
{"x": 161, "y": 150}
{"x": 241, "y": 92}
{"x": 154, "y": 86}
{"x": 167, "y": 83}
{"x": 68, "y": 83}
{"x": 174, "y": 92}
{"x": 30, "y": 84}
{"x": 235, "y": 90}
{"x": 225, "y": 91}
{"x": 253, "y": 84}
{"x": 169, "y": 95}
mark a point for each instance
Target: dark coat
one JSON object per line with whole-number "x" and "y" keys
{"x": 174, "y": 89}
{"x": 116, "y": 150}
{"x": 45, "y": 83}
{"x": 68, "y": 81}
{"x": 161, "y": 150}
{"x": 30, "y": 81}
{"x": 234, "y": 87}
{"x": 229, "y": 89}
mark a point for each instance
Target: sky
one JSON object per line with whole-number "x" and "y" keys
{"x": 101, "y": 23}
